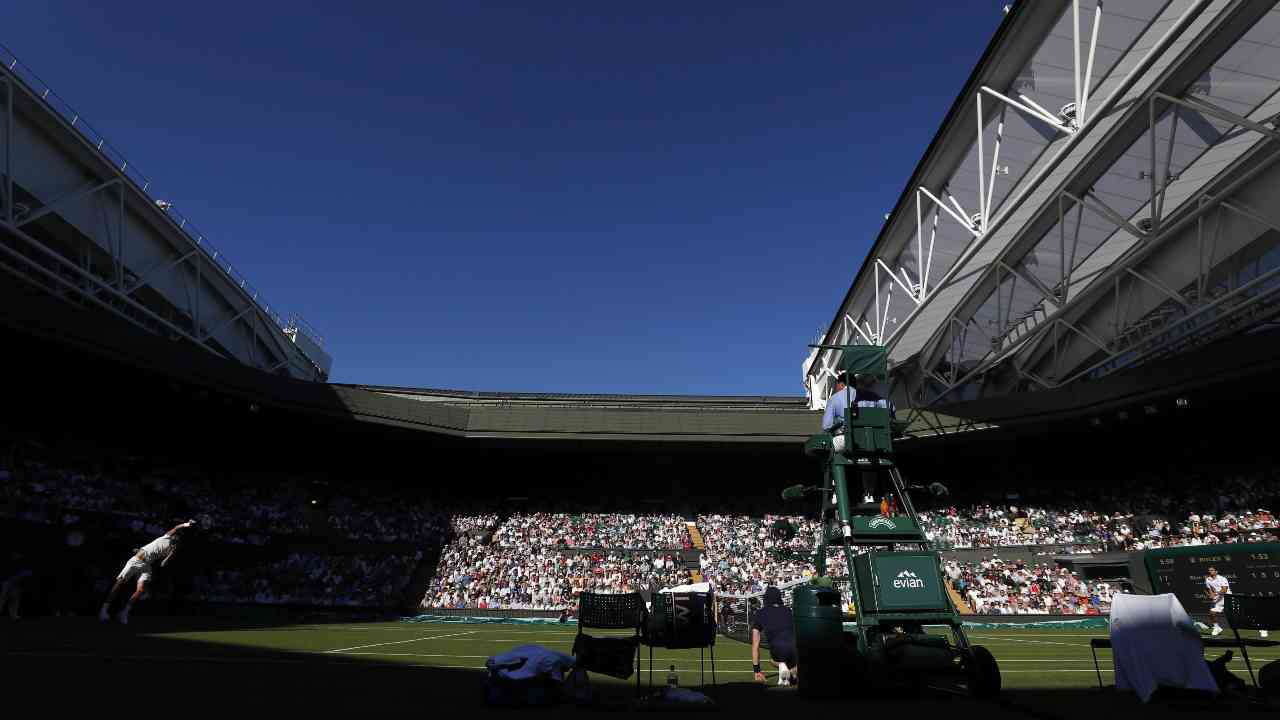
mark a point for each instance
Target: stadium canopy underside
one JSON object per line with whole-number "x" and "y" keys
{"x": 1102, "y": 195}
{"x": 37, "y": 325}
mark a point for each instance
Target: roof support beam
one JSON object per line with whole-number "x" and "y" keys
{"x": 93, "y": 286}
{"x": 1029, "y": 186}
{"x": 1105, "y": 211}
{"x": 1210, "y": 109}
{"x": 1202, "y": 205}
{"x": 964, "y": 222}
{"x": 1164, "y": 289}
{"x": 1032, "y": 110}
{"x": 150, "y": 275}
{"x": 1189, "y": 318}
{"x": 905, "y": 288}
{"x": 1083, "y": 101}
{"x": 83, "y": 191}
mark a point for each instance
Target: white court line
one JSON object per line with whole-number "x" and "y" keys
{"x": 497, "y": 628}
{"x": 401, "y": 642}
{"x": 451, "y": 655}
{"x": 188, "y": 658}
{"x": 1089, "y": 670}
{"x": 1057, "y": 635}
{"x": 1078, "y": 646}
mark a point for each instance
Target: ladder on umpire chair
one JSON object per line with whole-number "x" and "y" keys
{"x": 895, "y": 576}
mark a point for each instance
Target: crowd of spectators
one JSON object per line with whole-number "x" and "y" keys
{"x": 243, "y": 512}
{"x": 543, "y": 560}
{"x": 473, "y": 573}
{"x": 593, "y": 530}
{"x": 997, "y": 587}
{"x": 744, "y": 554}
{"x": 1082, "y": 530}
{"x": 312, "y": 579}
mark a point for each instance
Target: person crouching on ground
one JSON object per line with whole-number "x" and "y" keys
{"x": 775, "y": 623}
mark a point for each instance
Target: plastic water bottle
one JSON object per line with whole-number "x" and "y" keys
{"x": 673, "y": 679}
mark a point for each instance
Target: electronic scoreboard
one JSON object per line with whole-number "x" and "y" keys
{"x": 1251, "y": 568}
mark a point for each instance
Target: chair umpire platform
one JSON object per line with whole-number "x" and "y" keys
{"x": 895, "y": 576}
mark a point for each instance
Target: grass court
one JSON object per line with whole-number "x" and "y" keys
{"x": 210, "y": 664}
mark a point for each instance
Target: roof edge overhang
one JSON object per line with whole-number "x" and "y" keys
{"x": 1020, "y": 13}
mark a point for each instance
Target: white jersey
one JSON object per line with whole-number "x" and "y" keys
{"x": 156, "y": 550}
{"x": 1217, "y": 585}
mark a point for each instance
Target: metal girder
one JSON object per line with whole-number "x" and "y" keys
{"x": 991, "y": 219}
{"x": 52, "y": 206}
{"x": 1188, "y": 319}
{"x": 934, "y": 349}
{"x": 1030, "y": 280}
{"x": 1207, "y": 202}
{"x": 226, "y": 322}
{"x": 1210, "y": 109}
{"x": 1013, "y": 203}
{"x": 1210, "y": 203}
{"x": 170, "y": 241}
{"x": 1095, "y": 203}
{"x": 1164, "y": 289}
{"x": 149, "y": 275}
{"x": 100, "y": 287}
{"x": 1195, "y": 209}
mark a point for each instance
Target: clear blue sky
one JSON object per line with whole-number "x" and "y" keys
{"x": 550, "y": 196}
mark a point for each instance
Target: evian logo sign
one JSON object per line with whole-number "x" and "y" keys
{"x": 907, "y": 580}
{"x": 882, "y": 522}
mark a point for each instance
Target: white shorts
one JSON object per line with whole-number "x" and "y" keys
{"x": 1217, "y": 606}
{"x": 135, "y": 569}
{"x": 837, "y": 441}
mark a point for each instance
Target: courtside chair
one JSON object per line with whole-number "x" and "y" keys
{"x": 1252, "y": 612}
{"x": 683, "y": 621}
{"x": 613, "y": 656}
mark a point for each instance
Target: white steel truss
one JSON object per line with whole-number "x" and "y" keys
{"x": 1046, "y": 322}
{"x": 38, "y": 253}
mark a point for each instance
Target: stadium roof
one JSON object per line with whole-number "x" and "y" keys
{"x": 453, "y": 413}
{"x": 1053, "y": 230}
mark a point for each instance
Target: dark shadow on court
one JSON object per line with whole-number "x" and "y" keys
{"x": 73, "y": 664}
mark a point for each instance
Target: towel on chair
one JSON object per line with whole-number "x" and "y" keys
{"x": 526, "y": 675}
{"x": 1155, "y": 643}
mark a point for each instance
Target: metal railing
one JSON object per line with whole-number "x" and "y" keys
{"x": 16, "y": 69}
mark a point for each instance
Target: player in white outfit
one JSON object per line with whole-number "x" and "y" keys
{"x": 1217, "y": 587}
{"x": 139, "y": 568}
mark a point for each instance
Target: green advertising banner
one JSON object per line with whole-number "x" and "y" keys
{"x": 908, "y": 581}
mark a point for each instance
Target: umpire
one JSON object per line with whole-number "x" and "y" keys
{"x": 774, "y": 620}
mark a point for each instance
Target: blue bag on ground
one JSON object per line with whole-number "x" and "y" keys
{"x": 526, "y": 675}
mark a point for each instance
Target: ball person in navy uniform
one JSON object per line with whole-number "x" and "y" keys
{"x": 774, "y": 622}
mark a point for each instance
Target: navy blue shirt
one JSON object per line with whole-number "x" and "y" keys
{"x": 776, "y": 624}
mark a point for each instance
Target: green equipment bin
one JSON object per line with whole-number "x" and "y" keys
{"x": 819, "y": 639}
